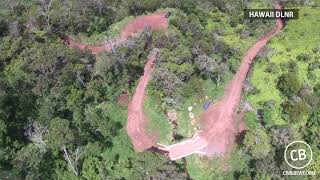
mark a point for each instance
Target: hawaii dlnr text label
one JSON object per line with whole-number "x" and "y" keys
{"x": 271, "y": 13}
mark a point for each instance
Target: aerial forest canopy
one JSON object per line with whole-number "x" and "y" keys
{"x": 60, "y": 112}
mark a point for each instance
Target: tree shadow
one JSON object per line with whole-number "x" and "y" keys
{"x": 240, "y": 137}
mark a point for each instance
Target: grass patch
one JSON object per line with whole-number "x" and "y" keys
{"x": 299, "y": 36}
{"x": 117, "y": 113}
{"x": 113, "y": 32}
{"x": 202, "y": 168}
{"x": 196, "y": 98}
{"x": 158, "y": 122}
{"x": 220, "y": 168}
{"x": 116, "y": 28}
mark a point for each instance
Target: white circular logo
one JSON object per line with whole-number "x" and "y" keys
{"x": 298, "y": 154}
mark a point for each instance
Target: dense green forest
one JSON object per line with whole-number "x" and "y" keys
{"x": 59, "y": 115}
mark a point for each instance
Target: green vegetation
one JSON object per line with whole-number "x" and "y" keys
{"x": 59, "y": 116}
{"x": 220, "y": 168}
{"x": 251, "y": 120}
{"x": 159, "y": 125}
{"x": 293, "y": 75}
{"x": 203, "y": 168}
{"x": 256, "y": 142}
{"x": 284, "y": 90}
{"x": 206, "y": 52}
{"x": 101, "y": 37}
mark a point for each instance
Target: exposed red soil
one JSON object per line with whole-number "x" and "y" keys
{"x": 218, "y": 126}
{"x": 218, "y": 123}
{"x": 137, "y": 120}
{"x": 94, "y": 49}
{"x": 123, "y": 99}
{"x": 155, "y": 21}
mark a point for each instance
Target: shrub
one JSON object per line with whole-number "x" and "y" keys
{"x": 304, "y": 57}
{"x": 289, "y": 83}
{"x": 257, "y": 143}
{"x": 295, "y": 111}
{"x": 251, "y": 120}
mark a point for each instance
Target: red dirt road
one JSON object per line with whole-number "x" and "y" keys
{"x": 218, "y": 127}
{"x": 94, "y": 49}
{"x": 137, "y": 121}
{"x": 155, "y": 21}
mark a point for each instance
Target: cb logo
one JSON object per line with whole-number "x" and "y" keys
{"x": 298, "y": 154}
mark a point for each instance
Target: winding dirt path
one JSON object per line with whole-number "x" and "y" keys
{"x": 218, "y": 129}
{"x": 137, "y": 120}
{"x": 218, "y": 126}
{"x": 155, "y": 21}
